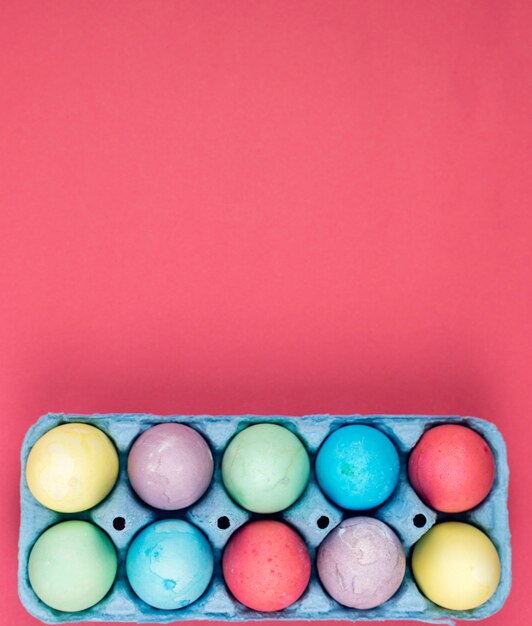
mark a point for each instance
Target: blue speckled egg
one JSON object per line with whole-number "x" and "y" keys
{"x": 357, "y": 467}
{"x": 169, "y": 564}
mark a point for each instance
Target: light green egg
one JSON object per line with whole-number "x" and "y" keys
{"x": 265, "y": 468}
{"x": 72, "y": 566}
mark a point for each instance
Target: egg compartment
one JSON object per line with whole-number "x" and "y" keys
{"x": 122, "y": 514}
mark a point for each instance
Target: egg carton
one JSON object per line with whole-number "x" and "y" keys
{"x": 122, "y": 514}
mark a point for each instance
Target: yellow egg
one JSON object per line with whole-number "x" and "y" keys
{"x": 72, "y": 467}
{"x": 456, "y": 566}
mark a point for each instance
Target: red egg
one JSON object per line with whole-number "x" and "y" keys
{"x": 266, "y": 565}
{"x": 451, "y": 468}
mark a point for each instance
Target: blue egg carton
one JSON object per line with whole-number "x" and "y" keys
{"x": 122, "y": 514}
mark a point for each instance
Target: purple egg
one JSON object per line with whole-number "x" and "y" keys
{"x": 170, "y": 466}
{"x": 361, "y": 563}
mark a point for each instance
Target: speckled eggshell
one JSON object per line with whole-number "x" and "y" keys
{"x": 357, "y": 467}
{"x": 451, "y": 468}
{"x": 265, "y": 468}
{"x": 361, "y": 563}
{"x": 170, "y": 466}
{"x": 266, "y": 565}
{"x": 169, "y": 564}
{"x": 72, "y": 565}
{"x": 72, "y": 467}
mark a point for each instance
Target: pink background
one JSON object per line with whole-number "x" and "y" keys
{"x": 270, "y": 207}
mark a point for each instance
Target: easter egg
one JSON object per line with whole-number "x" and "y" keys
{"x": 72, "y": 467}
{"x": 72, "y": 566}
{"x": 169, "y": 564}
{"x": 456, "y": 566}
{"x": 266, "y": 565}
{"x": 361, "y": 563}
{"x": 357, "y": 467}
{"x": 265, "y": 468}
{"x": 451, "y": 468}
{"x": 170, "y": 466}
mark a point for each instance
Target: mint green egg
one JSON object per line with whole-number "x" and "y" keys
{"x": 265, "y": 468}
{"x": 72, "y": 566}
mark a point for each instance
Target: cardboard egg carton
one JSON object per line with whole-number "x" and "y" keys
{"x": 122, "y": 514}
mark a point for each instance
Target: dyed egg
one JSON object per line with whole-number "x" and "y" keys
{"x": 357, "y": 467}
{"x": 169, "y": 564}
{"x": 170, "y": 466}
{"x": 72, "y": 566}
{"x": 72, "y": 468}
{"x": 451, "y": 468}
{"x": 266, "y": 565}
{"x": 361, "y": 563}
{"x": 456, "y": 566}
{"x": 265, "y": 468}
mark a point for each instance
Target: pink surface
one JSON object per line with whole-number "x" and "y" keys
{"x": 276, "y": 207}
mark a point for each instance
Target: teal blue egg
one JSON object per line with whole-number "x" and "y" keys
{"x": 169, "y": 564}
{"x": 357, "y": 467}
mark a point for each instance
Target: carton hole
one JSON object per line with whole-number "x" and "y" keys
{"x": 323, "y": 522}
{"x": 419, "y": 520}
{"x": 223, "y": 522}
{"x": 119, "y": 523}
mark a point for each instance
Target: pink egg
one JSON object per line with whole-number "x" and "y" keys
{"x": 170, "y": 466}
{"x": 451, "y": 468}
{"x": 266, "y": 565}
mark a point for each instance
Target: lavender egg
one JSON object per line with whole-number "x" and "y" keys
{"x": 361, "y": 563}
{"x": 170, "y": 466}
